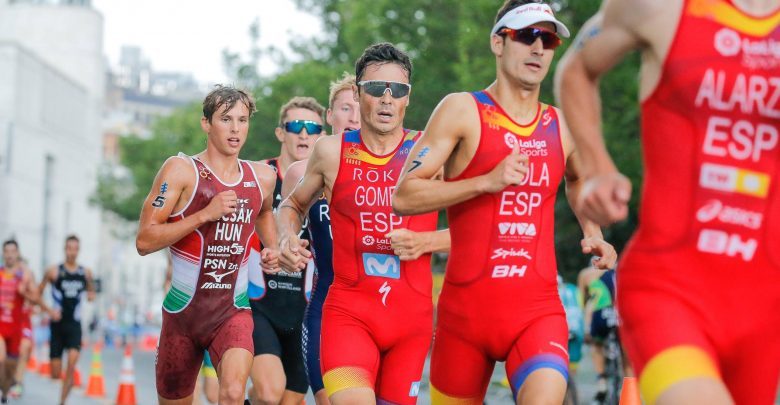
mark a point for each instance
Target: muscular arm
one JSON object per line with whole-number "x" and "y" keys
{"x": 48, "y": 277}
{"x": 293, "y": 176}
{"x": 91, "y": 290}
{"x": 28, "y": 289}
{"x": 574, "y": 184}
{"x": 603, "y": 42}
{"x": 418, "y": 190}
{"x": 292, "y": 211}
{"x": 265, "y": 225}
{"x": 154, "y": 231}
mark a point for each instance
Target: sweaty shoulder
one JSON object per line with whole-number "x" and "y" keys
{"x": 178, "y": 168}
{"x": 296, "y": 169}
{"x": 457, "y": 104}
{"x": 326, "y": 151}
{"x": 645, "y": 18}
{"x": 264, "y": 172}
{"x": 457, "y": 115}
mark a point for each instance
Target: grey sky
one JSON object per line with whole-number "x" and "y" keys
{"x": 189, "y": 36}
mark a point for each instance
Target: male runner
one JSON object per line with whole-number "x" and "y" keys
{"x": 342, "y": 115}
{"x": 16, "y": 285}
{"x": 205, "y": 208}
{"x": 504, "y": 154}
{"x": 598, "y": 288}
{"x": 70, "y": 282}
{"x": 376, "y": 322}
{"x": 709, "y": 85}
{"x": 279, "y": 300}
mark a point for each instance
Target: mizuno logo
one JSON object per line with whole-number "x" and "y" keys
{"x": 218, "y": 277}
{"x": 215, "y": 286}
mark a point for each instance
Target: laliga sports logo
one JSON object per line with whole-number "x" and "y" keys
{"x": 368, "y": 240}
{"x": 727, "y": 42}
{"x": 511, "y": 140}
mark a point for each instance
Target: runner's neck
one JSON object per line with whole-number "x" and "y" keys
{"x": 758, "y": 8}
{"x": 225, "y": 167}
{"x": 381, "y": 144}
{"x": 520, "y": 104}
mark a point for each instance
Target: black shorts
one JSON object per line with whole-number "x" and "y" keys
{"x": 603, "y": 321}
{"x": 64, "y": 335}
{"x": 285, "y": 344}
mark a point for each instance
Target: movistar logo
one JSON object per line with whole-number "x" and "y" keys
{"x": 379, "y": 265}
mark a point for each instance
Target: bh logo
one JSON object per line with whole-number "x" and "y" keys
{"x": 379, "y": 265}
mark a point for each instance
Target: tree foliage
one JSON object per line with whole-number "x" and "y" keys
{"x": 448, "y": 42}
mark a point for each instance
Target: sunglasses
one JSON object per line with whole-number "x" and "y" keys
{"x": 377, "y": 88}
{"x": 296, "y": 126}
{"x": 529, "y": 35}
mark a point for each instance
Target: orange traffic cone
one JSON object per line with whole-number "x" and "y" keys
{"x": 44, "y": 368}
{"x": 96, "y": 387}
{"x": 126, "y": 394}
{"x": 629, "y": 394}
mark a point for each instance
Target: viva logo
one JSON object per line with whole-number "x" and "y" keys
{"x": 378, "y": 265}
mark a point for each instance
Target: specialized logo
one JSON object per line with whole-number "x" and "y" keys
{"x": 724, "y": 243}
{"x": 504, "y": 253}
{"x": 734, "y": 180}
{"x": 379, "y": 265}
{"x": 507, "y": 271}
{"x": 384, "y": 290}
{"x": 716, "y": 210}
{"x": 517, "y": 228}
{"x": 546, "y": 118}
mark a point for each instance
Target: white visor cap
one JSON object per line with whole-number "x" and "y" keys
{"x": 529, "y": 14}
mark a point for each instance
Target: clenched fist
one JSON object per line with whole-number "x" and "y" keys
{"x": 511, "y": 171}
{"x": 220, "y": 205}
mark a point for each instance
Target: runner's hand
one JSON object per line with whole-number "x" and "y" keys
{"x": 406, "y": 244}
{"x": 604, "y": 198}
{"x": 55, "y": 315}
{"x": 510, "y": 171}
{"x": 270, "y": 260}
{"x": 222, "y": 204}
{"x": 599, "y": 247}
{"x": 294, "y": 256}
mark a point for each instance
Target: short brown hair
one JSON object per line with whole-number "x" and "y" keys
{"x": 227, "y": 96}
{"x": 345, "y": 83}
{"x": 510, "y": 5}
{"x": 307, "y": 103}
{"x": 73, "y": 238}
